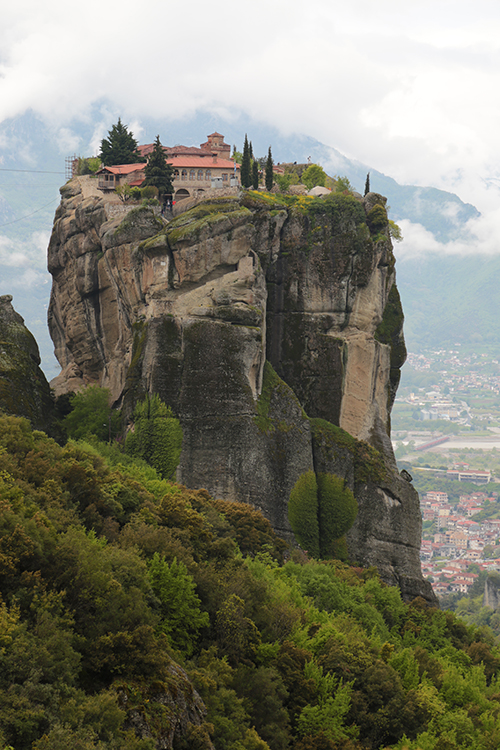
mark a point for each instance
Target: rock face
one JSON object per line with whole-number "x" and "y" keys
{"x": 24, "y": 390}
{"x": 272, "y": 329}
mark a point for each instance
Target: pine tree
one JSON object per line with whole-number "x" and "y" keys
{"x": 367, "y": 184}
{"x": 158, "y": 172}
{"x": 245, "y": 172}
{"x": 269, "y": 170}
{"x": 255, "y": 175}
{"x": 120, "y": 147}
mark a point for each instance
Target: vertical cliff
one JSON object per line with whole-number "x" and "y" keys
{"x": 24, "y": 390}
{"x": 273, "y": 329}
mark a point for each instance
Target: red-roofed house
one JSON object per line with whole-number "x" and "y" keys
{"x": 195, "y": 169}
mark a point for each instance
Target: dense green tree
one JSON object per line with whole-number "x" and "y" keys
{"x": 92, "y": 414}
{"x": 337, "y": 511}
{"x": 181, "y": 617}
{"x": 156, "y": 436}
{"x": 314, "y": 175}
{"x": 343, "y": 185}
{"x": 367, "y": 184}
{"x": 120, "y": 147}
{"x": 158, "y": 172}
{"x": 303, "y": 512}
{"x": 255, "y": 175}
{"x": 269, "y": 170}
{"x": 246, "y": 165}
{"x": 321, "y": 510}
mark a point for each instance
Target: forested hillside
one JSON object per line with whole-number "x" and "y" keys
{"x": 127, "y": 600}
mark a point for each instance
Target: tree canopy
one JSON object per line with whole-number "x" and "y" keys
{"x": 246, "y": 165}
{"x": 120, "y": 147}
{"x": 314, "y": 175}
{"x": 269, "y": 170}
{"x": 121, "y": 594}
{"x": 158, "y": 172}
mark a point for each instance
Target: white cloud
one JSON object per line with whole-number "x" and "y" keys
{"x": 480, "y": 237}
{"x": 30, "y": 255}
{"x": 408, "y": 88}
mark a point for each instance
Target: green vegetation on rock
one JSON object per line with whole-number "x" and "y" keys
{"x": 321, "y": 510}
{"x": 136, "y": 613}
{"x": 91, "y": 414}
{"x": 156, "y": 436}
{"x": 369, "y": 465}
{"x": 303, "y": 513}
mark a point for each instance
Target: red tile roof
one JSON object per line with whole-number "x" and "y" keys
{"x": 122, "y": 168}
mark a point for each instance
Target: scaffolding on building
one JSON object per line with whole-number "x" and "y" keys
{"x": 70, "y": 166}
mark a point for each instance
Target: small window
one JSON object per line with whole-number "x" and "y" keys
{"x": 176, "y": 174}
{"x": 192, "y": 174}
{"x": 184, "y": 174}
{"x": 200, "y": 174}
{"x": 224, "y": 177}
{"x": 208, "y": 174}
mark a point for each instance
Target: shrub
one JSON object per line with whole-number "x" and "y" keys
{"x": 303, "y": 512}
{"x": 92, "y": 415}
{"x": 321, "y": 510}
{"x": 337, "y": 508}
{"x": 156, "y": 436}
{"x": 149, "y": 192}
{"x": 377, "y": 219}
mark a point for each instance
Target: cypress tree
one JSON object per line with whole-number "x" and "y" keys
{"x": 255, "y": 175}
{"x": 367, "y": 184}
{"x": 269, "y": 170}
{"x": 120, "y": 147}
{"x": 245, "y": 172}
{"x": 158, "y": 172}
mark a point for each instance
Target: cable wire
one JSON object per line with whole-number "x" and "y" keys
{"x": 28, "y": 215}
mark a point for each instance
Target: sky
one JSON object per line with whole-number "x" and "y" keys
{"x": 409, "y": 88}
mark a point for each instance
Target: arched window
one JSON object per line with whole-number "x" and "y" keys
{"x": 200, "y": 174}
{"x": 208, "y": 174}
{"x": 184, "y": 174}
{"x": 176, "y": 174}
{"x": 192, "y": 174}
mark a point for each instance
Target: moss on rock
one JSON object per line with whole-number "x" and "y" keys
{"x": 329, "y": 440}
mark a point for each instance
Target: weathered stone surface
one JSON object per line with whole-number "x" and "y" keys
{"x": 24, "y": 390}
{"x": 491, "y": 597}
{"x": 192, "y": 311}
{"x": 175, "y": 700}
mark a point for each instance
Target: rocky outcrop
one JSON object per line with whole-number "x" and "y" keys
{"x": 253, "y": 318}
{"x": 164, "y": 711}
{"x": 491, "y": 597}
{"x": 24, "y": 390}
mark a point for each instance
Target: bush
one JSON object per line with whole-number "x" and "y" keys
{"x": 303, "y": 512}
{"x": 92, "y": 414}
{"x": 337, "y": 512}
{"x": 321, "y": 510}
{"x": 149, "y": 192}
{"x": 377, "y": 219}
{"x": 156, "y": 436}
